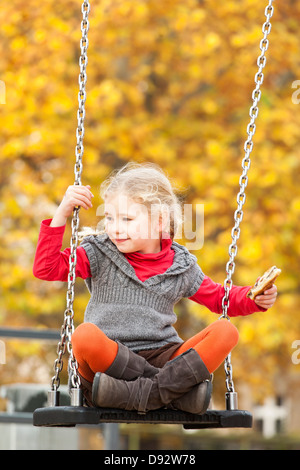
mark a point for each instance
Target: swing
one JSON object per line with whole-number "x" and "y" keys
{"x": 76, "y": 413}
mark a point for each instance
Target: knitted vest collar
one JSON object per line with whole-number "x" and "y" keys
{"x": 182, "y": 261}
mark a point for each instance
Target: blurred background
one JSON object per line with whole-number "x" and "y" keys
{"x": 169, "y": 82}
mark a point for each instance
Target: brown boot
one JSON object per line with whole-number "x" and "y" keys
{"x": 195, "y": 401}
{"x": 86, "y": 387}
{"x": 128, "y": 365}
{"x": 175, "y": 379}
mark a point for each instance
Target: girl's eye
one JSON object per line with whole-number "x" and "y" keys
{"x": 110, "y": 219}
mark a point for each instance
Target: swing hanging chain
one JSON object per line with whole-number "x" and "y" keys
{"x": 241, "y": 197}
{"x": 67, "y": 328}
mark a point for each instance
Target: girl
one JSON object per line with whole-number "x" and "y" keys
{"x": 128, "y": 352}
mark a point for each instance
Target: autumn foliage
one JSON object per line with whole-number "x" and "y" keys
{"x": 169, "y": 82}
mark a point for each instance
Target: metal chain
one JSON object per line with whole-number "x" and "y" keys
{"x": 68, "y": 324}
{"x": 241, "y": 197}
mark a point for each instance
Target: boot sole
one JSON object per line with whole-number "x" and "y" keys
{"x": 208, "y": 396}
{"x": 96, "y": 383}
{"x": 205, "y": 403}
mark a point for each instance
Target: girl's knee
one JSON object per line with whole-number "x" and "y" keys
{"x": 228, "y": 332}
{"x": 232, "y": 333}
{"x": 83, "y": 329}
{"x": 84, "y": 334}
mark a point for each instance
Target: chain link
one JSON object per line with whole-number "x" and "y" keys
{"x": 241, "y": 197}
{"x": 68, "y": 324}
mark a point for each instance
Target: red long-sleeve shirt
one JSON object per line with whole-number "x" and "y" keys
{"x": 52, "y": 264}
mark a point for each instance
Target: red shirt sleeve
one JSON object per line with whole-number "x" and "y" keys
{"x": 211, "y": 294}
{"x": 52, "y": 264}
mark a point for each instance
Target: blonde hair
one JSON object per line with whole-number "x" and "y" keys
{"x": 147, "y": 184}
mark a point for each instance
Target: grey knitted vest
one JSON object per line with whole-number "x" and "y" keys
{"x": 138, "y": 313}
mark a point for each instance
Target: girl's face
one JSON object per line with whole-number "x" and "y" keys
{"x": 130, "y": 226}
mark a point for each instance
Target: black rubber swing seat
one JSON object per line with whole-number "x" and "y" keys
{"x": 67, "y": 416}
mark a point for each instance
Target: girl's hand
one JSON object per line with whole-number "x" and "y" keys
{"x": 75, "y": 196}
{"x": 267, "y": 299}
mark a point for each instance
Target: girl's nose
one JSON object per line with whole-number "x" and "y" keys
{"x": 118, "y": 228}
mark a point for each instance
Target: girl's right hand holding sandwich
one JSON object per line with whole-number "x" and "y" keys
{"x": 75, "y": 196}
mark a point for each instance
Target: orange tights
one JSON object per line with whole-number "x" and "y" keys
{"x": 95, "y": 352}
